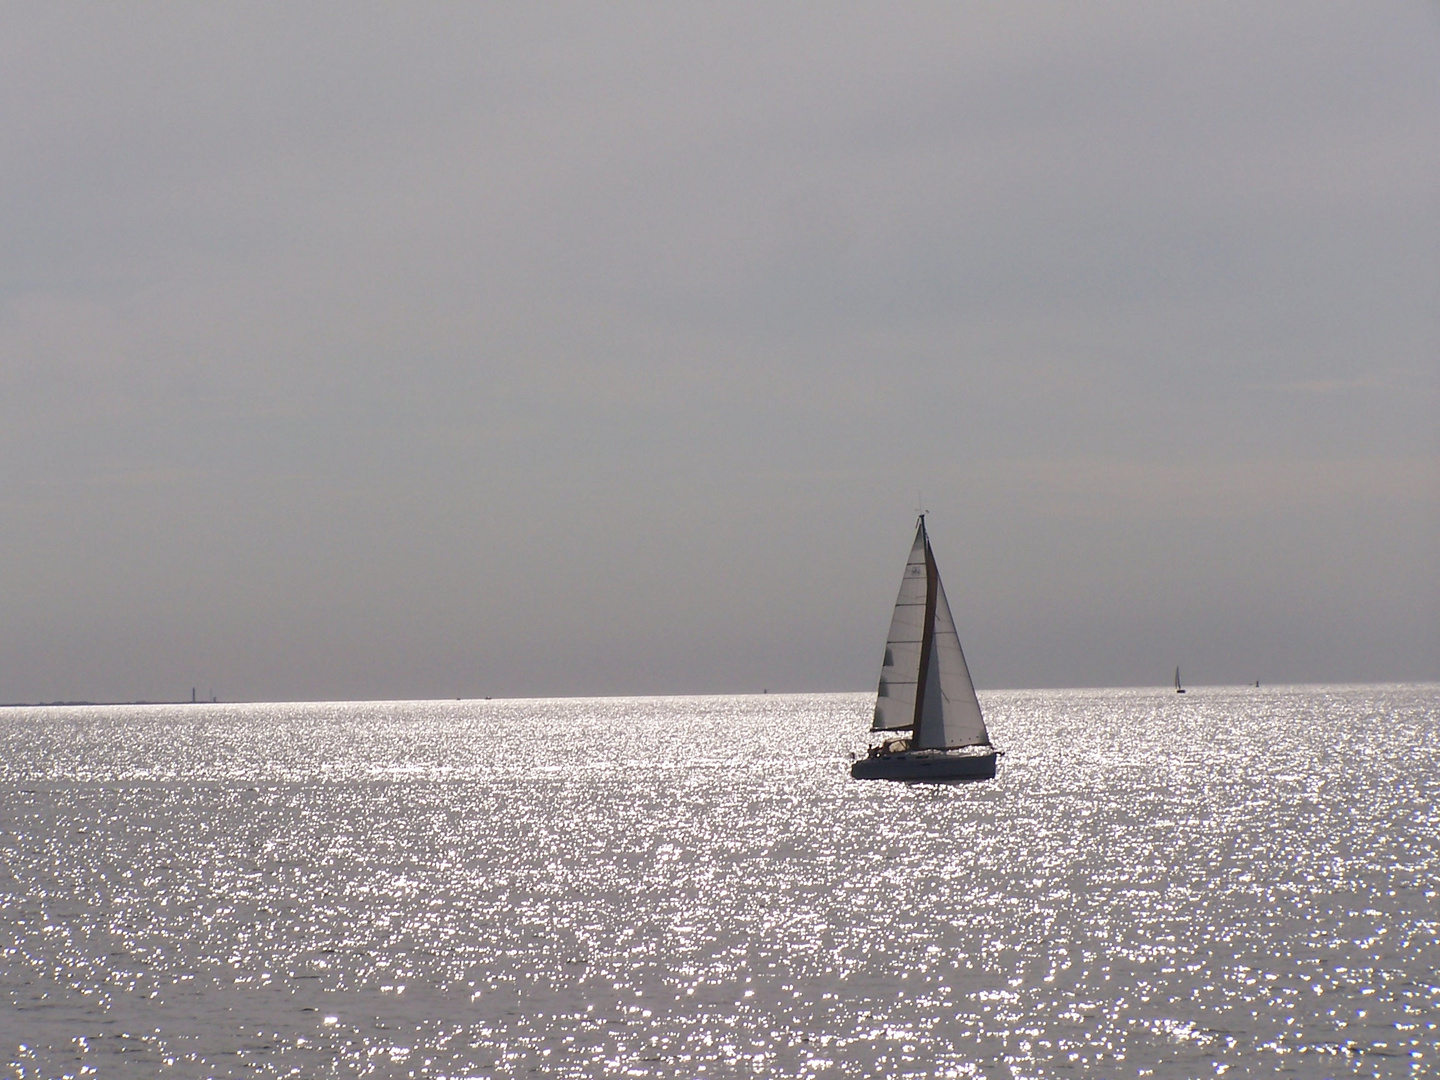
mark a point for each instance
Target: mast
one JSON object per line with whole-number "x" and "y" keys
{"x": 927, "y": 633}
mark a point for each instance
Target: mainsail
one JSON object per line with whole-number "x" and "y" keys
{"x": 925, "y": 685}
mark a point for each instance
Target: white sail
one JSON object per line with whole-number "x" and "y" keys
{"x": 951, "y": 713}
{"x": 925, "y": 684}
{"x": 900, "y": 669}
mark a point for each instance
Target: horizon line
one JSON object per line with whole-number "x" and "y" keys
{"x": 1160, "y": 687}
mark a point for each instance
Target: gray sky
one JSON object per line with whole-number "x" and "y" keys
{"x": 495, "y": 350}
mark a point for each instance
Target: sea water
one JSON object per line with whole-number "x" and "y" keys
{"x": 1233, "y": 881}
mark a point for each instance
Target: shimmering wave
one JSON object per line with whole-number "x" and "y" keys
{"x": 1236, "y": 881}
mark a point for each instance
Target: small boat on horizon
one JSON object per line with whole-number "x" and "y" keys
{"x": 1178, "y": 688}
{"x": 925, "y": 693}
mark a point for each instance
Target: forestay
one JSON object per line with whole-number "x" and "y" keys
{"x": 925, "y": 684}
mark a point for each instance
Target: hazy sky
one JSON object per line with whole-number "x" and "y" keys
{"x": 401, "y": 351}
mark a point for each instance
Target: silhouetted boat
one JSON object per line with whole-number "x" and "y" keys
{"x": 1178, "y": 688}
{"x": 925, "y": 688}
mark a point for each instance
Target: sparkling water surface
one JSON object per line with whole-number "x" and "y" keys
{"x": 1236, "y": 881}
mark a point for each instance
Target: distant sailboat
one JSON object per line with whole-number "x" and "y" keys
{"x": 925, "y": 689}
{"x": 1178, "y": 688}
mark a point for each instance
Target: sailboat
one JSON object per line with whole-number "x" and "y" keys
{"x": 1178, "y": 688}
{"x": 925, "y": 692}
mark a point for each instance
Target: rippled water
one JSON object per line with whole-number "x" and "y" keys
{"x": 1241, "y": 880}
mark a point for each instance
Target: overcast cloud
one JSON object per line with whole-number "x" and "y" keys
{"x": 493, "y": 350}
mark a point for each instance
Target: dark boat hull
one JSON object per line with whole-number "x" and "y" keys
{"x": 923, "y": 766}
